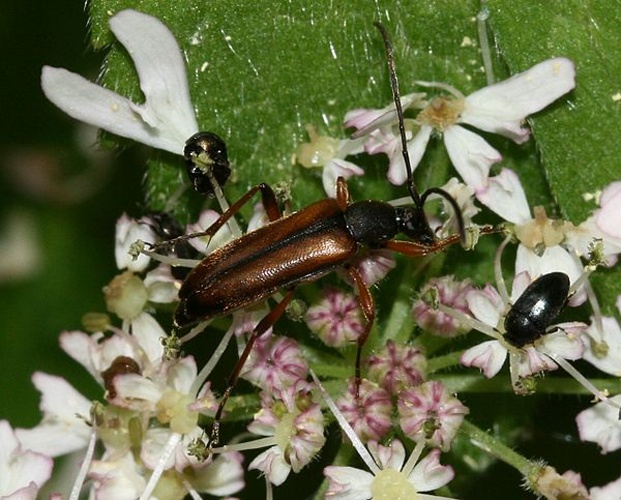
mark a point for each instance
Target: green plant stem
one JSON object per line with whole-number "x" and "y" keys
{"x": 496, "y": 448}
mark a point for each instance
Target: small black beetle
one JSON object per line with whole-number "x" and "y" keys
{"x": 536, "y": 309}
{"x": 205, "y": 155}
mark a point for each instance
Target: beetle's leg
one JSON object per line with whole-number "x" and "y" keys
{"x": 268, "y": 199}
{"x": 265, "y": 324}
{"x": 367, "y": 304}
{"x": 414, "y": 249}
{"x": 342, "y": 193}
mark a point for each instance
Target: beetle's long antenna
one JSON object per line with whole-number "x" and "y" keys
{"x": 459, "y": 218}
{"x": 394, "y": 84}
{"x": 419, "y": 200}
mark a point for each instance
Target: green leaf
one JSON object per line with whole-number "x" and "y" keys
{"x": 260, "y": 72}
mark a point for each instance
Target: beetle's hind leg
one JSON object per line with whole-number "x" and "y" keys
{"x": 265, "y": 324}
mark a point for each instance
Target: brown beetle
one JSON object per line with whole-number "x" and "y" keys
{"x": 303, "y": 246}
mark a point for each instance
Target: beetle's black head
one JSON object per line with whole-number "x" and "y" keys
{"x": 412, "y": 222}
{"x": 205, "y": 153}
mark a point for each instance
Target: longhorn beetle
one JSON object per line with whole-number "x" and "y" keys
{"x": 303, "y": 246}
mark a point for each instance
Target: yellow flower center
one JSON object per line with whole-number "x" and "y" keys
{"x": 441, "y": 113}
{"x": 318, "y": 151}
{"x": 172, "y": 408}
{"x": 391, "y": 484}
{"x": 542, "y": 232}
{"x": 126, "y": 295}
{"x": 285, "y": 431}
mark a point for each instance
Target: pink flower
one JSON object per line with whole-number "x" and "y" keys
{"x": 430, "y": 413}
{"x": 295, "y": 425}
{"x": 396, "y": 367}
{"x": 370, "y": 413}
{"x": 275, "y": 363}
{"x": 448, "y": 291}
{"x": 336, "y": 319}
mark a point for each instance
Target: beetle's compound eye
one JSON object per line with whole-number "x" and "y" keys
{"x": 205, "y": 153}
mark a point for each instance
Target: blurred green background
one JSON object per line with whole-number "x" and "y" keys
{"x": 58, "y": 203}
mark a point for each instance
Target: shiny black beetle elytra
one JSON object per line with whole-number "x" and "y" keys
{"x": 536, "y": 309}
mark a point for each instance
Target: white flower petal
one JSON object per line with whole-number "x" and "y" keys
{"x": 223, "y": 477}
{"x": 148, "y": 332}
{"x": 182, "y": 374}
{"x": 486, "y": 305}
{"x": 334, "y": 169}
{"x": 429, "y": 474}
{"x": 606, "y": 492}
{"x": 127, "y": 232}
{"x": 611, "y": 335}
{"x": 600, "y": 424}
{"x": 397, "y": 174}
{"x": 79, "y": 346}
{"x": 488, "y": 356}
{"x": 120, "y": 478}
{"x": 162, "y": 73}
{"x": 368, "y": 120}
{"x": 500, "y": 108}
{"x": 136, "y": 392}
{"x": 607, "y": 218}
{"x": 20, "y": 469}
{"x": 166, "y": 120}
{"x": 561, "y": 344}
{"x": 92, "y": 104}
{"x": 504, "y": 195}
{"x": 348, "y": 483}
{"x": 581, "y": 237}
{"x": 161, "y": 285}
{"x": 471, "y": 155}
{"x": 416, "y": 149}
{"x": 388, "y": 457}
{"x": 272, "y": 463}
{"x": 62, "y": 429}
{"x": 153, "y": 445}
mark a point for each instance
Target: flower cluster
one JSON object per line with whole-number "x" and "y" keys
{"x": 145, "y": 436}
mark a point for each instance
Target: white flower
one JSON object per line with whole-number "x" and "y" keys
{"x": 329, "y": 153}
{"x": 63, "y": 428}
{"x": 127, "y": 232}
{"x": 165, "y": 120}
{"x": 600, "y": 424}
{"x": 500, "y": 108}
{"x": 603, "y": 349}
{"x": 393, "y": 477}
{"x": 22, "y": 472}
{"x": 540, "y": 250}
{"x": 602, "y": 225}
{"x": 606, "y": 492}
